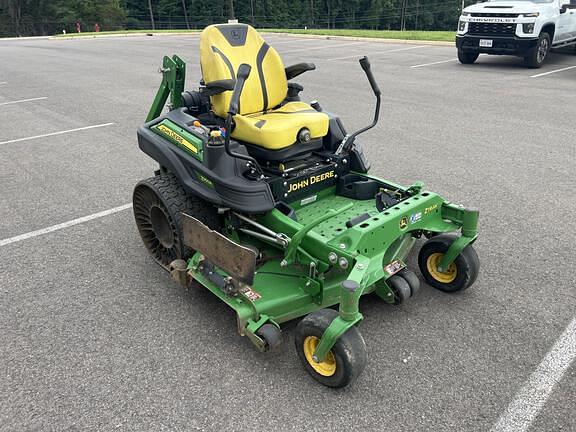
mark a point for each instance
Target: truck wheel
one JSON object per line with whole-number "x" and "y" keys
{"x": 158, "y": 205}
{"x": 343, "y": 363}
{"x": 540, "y": 53}
{"x": 461, "y": 274}
{"x": 467, "y": 57}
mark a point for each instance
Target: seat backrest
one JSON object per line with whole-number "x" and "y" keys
{"x": 224, "y": 47}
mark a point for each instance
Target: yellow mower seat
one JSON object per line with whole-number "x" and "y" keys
{"x": 261, "y": 120}
{"x": 278, "y": 128}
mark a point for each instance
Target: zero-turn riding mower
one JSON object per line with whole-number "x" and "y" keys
{"x": 266, "y": 201}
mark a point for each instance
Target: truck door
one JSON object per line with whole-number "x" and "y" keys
{"x": 572, "y": 14}
{"x": 566, "y": 28}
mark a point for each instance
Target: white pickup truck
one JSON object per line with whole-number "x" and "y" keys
{"x": 525, "y": 28}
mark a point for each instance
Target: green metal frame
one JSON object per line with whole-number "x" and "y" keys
{"x": 304, "y": 277}
{"x": 173, "y": 79}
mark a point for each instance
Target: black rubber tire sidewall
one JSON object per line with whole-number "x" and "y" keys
{"x": 400, "y": 287}
{"x": 532, "y": 60}
{"x": 349, "y": 350}
{"x": 467, "y": 57}
{"x": 271, "y": 335}
{"x": 412, "y": 279}
{"x": 175, "y": 200}
{"x": 467, "y": 264}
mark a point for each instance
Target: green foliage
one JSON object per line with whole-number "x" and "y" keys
{"x": 442, "y": 36}
{"x": 41, "y": 17}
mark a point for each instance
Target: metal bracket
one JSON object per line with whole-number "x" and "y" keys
{"x": 351, "y": 290}
{"x": 294, "y": 245}
{"x": 173, "y": 72}
{"x": 469, "y": 220}
{"x": 415, "y": 188}
{"x": 269, "y": 235}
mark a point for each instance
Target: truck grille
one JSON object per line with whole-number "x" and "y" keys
{"x": 491, "y": 29}
{"x": 500, "y": 15}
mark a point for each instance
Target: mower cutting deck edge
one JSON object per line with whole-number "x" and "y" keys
{"x": 266, "y": 201}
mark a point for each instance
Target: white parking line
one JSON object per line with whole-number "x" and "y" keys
{"x": 68, "y": 224}
{"x": 3, "y": 82}
{"x": 379, "y": 52}
{"x": 326, "y": 47}
{"x": 552, "y": 72}
{"x": 529, "y": 401}
{"x": 56, "y": 133}
{"x": 23, "y": 100}
{"x": 435, "y": 63}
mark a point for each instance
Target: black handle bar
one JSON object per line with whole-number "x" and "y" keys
{"x": 241, "y": 77}
{"x": 365, "y": 63}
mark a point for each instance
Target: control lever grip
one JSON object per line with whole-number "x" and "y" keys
{"x": 241, "y": 76}
{"x": 365, "y": 63}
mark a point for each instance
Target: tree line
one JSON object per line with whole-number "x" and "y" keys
{"x": 46, "y": 17}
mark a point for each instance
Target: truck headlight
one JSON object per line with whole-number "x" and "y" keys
{"x": 461, "y": 25}
{"x": 528, "y": 28}
{"x": 465, "y": 13}
{"x": 531, "y": 15}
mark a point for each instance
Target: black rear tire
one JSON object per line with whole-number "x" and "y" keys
{"x": 467, "y": 57}
{"x": 158, "y": 206}
{"x": 539, "y": 54}
{"x": 345, "y": 361}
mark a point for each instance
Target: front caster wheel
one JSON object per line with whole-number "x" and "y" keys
{"x": 459, "y": 275}
{"x": 345, "y": 361}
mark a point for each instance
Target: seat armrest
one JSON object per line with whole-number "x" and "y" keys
{"x": 298, "y": 69}
{"x": 219, "y": 86}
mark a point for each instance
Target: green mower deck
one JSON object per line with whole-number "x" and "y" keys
{"x": 322, "y": 253}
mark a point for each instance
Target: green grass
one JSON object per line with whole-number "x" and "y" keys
{"x": 447, "y": 36}
{"x": 383, "y": 34}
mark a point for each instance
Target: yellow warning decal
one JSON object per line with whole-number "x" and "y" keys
{"x": 180, "y": 140}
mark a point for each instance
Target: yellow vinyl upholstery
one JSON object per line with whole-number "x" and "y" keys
{"x": 260, "y": 120}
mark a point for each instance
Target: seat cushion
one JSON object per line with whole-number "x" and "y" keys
{"x": 223, "y": 48}
{"x": 278, "y": 128}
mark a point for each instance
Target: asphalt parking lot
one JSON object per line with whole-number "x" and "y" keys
{"x": 94, "y": 336}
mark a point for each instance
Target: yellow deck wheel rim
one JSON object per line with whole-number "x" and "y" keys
{"x": 327, "y": 367}
{"x": 443, "y": 277}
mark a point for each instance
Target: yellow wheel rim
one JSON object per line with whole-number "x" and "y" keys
{"x": 443, "y": 277}
{"x": 325, "y": 368}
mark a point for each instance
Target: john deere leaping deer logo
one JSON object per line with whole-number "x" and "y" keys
{"x": 403, "y": 222}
